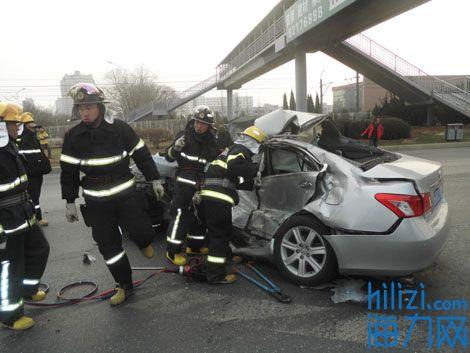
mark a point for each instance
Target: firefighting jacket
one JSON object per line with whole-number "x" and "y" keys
{"x": 34, "y": 159}
{"x": 197, "y": 152}
{"x": 103, "y": 155}
{"x": 232, "y": 170}
{"x": 16, "y": 212}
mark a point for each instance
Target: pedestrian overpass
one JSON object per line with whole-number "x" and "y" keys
{"x": 296, "y": 27}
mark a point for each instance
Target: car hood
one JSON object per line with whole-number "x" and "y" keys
{"x": 283, "y": 121}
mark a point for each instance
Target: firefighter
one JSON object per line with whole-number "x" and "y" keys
{"x": 35, "y": 162}
{"x": 193, "y": 148}
{"x": 232, "y": 170}
{"x": 100, "y": 147}
{"x": 23, "y": 248}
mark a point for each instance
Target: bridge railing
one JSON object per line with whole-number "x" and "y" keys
{"x": 432, "y": 85}
{"x": 262, "y": 42}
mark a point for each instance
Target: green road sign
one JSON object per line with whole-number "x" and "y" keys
{"x": 306, "y": 14}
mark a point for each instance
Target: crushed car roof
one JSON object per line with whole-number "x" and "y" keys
{"x": 287, "y": 121}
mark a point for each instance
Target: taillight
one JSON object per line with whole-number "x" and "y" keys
{"x": 406, "y": 206}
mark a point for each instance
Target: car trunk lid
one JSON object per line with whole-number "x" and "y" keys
{"x": 425, "y": 174}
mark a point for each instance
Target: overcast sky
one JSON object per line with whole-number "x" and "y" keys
{"x": 182, "y": 41}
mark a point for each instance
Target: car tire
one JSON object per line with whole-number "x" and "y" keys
{"x": 301, "y": 252}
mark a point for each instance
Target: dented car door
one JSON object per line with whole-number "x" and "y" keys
{"x": 288, "y": 185}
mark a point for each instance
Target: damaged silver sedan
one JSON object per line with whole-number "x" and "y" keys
{"x": 328, "y": 204}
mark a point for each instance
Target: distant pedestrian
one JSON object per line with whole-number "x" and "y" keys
{"x": 43, "y": 137}
{"x": 374, "y": 131}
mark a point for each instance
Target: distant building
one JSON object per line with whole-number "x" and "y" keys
{"x": 265, "y": 109}
{"x": 327, "y": 108}
{"x": 64, "y": 103}
{"x": 371, "y": 94}
{"x": 344, "y": 97}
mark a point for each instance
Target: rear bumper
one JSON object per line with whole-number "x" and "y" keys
{"x": 412, "y": 247}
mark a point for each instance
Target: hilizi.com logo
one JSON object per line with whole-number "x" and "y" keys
{"x": 445, "y": 321}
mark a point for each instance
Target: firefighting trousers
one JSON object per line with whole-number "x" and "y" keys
{"x": 219, "y": 231}
{"x": 34, "y": 191}
{"x": 187, "y": 221}
{"x": 104, "y": 218}
{"x": 22, "y": 264}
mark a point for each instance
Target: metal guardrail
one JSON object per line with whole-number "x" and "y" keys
{"x": 431, "y": 85}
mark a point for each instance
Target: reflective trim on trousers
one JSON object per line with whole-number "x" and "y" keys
{"x": 25, "y": 225}
{"x": 29, "y": 151}
{"x": 13, "y": 184}
{"x": 173, "y": 241}
{"x": 30, "y": 282}
{"x": 116, "y": 258}
{"x": 196, "y": 237}
{"x": 139, "y": 145}
{"x": 37, "y": 207}
{"x": 175, "y": 225}
{"x": 4, "y": 301}
{"x": 185, "y": 181}
{"x": 114, "y": 190}
{"x": 217, "y": 195}
{"x": 215, "y": 259}
{"x": 11, "y": 307}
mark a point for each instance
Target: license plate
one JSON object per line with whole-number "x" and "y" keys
{"x": 437, "y": 196}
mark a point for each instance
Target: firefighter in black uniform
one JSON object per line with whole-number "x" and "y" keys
{"x": 101, "y": 147}
{"x": 232, "y": 170}
{"x": 35, "y": 162}
{"x": 193, "y": 148}
{"x": 23, "y": 248}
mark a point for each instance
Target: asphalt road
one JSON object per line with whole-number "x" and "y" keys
{"x": 168, "y": 314}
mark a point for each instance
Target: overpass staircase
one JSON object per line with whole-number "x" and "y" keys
{"x": 162, "y": 108}
{"x": 397, "y": 75}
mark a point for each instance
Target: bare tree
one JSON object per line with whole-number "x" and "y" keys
{"x": 132, "y": 89}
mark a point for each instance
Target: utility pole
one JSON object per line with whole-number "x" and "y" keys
{"x": 321, "y": 95}
{"x": 357, "y": 91}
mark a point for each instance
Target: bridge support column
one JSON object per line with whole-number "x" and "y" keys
{"x": 230, "y": 116}
{"x": 301, "y": 81}
{"x": 430, "y": 115}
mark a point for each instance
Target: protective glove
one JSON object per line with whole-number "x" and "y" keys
{"x": 158, "y": 188}
{"x": 257, "y": 180}
{"x": 179, "y": 144}
{"x": 71, "y": 212}
{"x": 197, "y": 198}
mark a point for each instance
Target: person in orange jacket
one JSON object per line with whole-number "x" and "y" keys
{"x": 374, "y": 131}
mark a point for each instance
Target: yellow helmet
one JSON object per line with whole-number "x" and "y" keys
{"x": 27, "y": 117}
{"x": 10, "y": 112}
{"x": 255, "y": 133}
